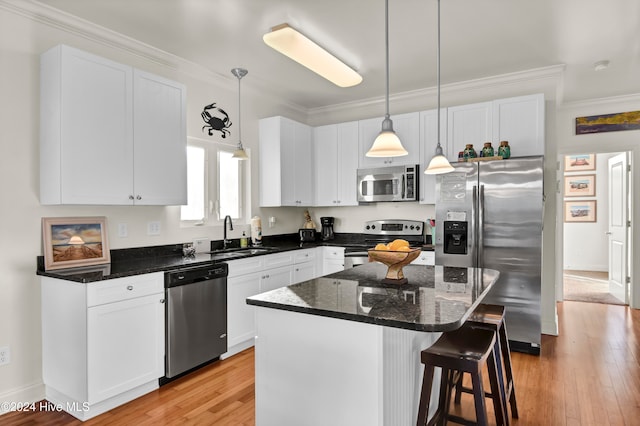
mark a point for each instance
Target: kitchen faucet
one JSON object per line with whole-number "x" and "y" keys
{"x": 225, "y": 241}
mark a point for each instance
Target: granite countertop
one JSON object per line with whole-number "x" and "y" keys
{"x": 146, "y": 260}
{"x": 435, "y": 299}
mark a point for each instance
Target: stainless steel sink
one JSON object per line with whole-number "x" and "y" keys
{"x": 240, "y": 252}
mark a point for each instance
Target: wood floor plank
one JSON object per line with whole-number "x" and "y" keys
{"x": 588, "y": 375}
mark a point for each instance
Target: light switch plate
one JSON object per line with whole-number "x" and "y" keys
{"x": 202, "y": 245}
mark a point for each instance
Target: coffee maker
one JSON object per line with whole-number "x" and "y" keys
{"x": 327, "y": 228}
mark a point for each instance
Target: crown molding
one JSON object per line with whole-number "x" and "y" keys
{"x": 63, "y": 21}
{"x": 598, "y": 102}
{"x": 553, "y": 74}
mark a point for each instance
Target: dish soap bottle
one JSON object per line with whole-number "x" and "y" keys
{"x": 244, "y": 242}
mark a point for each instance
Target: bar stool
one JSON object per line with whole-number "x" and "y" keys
{"x": 465, "y": 350}
{"x": 491, "y": 317}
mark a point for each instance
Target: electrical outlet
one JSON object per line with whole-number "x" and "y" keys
{"x": 5, "y": 355}
{"x": 153, "y": 228}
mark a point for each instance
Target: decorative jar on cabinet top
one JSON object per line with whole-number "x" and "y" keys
{"x": 504, "y": 150}
{"x": 487, "y": 150}
{"x": 469, "y": 152}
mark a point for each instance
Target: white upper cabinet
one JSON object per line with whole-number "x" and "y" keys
{"x": 109, "y": 134}
{"x": 159, "y": 134}
{"x": 428, "y": 144}
{"x": 520, "y": 121}
{"x": 468, "y": 124}
{"x": 406, "y": 126}
{"x": 286, "y": 163}
{"x": 336, "y": 164}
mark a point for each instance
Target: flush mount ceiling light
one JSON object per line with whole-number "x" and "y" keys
{"x": 439, "y": 163}
{"x": 306, "y": 52}
{"x": 387, "y": 143}
{"x": 239, "y": 153}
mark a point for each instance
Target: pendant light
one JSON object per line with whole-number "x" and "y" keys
{"x": 387, "y": 143}
{"x": 239, "y": 153}
{"x": 439, "y": 163}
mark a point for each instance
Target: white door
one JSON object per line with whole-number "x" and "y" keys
{"x": 618, "y": 217}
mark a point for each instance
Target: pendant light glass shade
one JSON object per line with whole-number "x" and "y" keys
{"x": 239, "y": 153}
{"x": 387, "y": 143}
{"x": 439, "y": 163}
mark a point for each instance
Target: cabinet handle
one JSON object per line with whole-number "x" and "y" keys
{"x": 131, "y": 197}
{"x": 222, "y": 336}
{"x": 138, "y": 197}
{"x": 129, "y": 287}
{"x": 161, "y": 300}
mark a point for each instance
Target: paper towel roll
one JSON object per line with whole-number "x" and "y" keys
{"x": 256, "y": 231}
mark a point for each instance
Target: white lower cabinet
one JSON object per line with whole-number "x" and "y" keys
{"x": 241, "y": 325}
{"x": 332, "y": 260}
{"x": 304, "y": 265}
{"x": 274, "y": 278}
{"x": 103, "y": 342}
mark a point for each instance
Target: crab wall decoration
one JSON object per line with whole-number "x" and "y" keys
{"x": 218, "y": 121}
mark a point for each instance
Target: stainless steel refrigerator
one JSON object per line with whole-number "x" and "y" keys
{"x": 489, "y": 214}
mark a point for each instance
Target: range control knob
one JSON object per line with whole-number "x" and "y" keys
{"x": 373, "y": 227}
{"x": 411, "y": 227}
{"x": 368, "y": 227}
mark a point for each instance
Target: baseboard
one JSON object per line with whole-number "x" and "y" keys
{"x": 550, "y": 327}
{"x": 23, "y": 395}
{"x": 589, "y": 268}
{"x": 238, "y": 348}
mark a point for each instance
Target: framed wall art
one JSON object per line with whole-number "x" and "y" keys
{"x": 580, "y": 186}
{"x": 579, "y": 162}
{"x": 608, "y": 122}
{"x": 71, "y": 242}
{"x": 580, "y": 211}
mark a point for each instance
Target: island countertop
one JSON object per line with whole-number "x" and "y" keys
{"x": 435, "y": 299}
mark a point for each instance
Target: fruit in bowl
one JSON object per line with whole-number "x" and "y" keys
{"x": 395, "y": 255}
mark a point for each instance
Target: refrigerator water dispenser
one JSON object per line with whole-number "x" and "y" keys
{"x": 455, "y": 237}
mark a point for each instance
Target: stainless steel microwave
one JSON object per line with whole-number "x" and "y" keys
{"x": 394, "y": 183}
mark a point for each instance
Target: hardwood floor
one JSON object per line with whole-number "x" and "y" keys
{"x": 588, "y": 375}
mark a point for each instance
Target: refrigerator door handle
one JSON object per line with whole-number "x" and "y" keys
{"x": 474, "y": 228}
{"x": 481, "y": 228}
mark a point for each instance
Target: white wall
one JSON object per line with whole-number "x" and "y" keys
{"x": 585, "y": 244}
{"x": 570, "y": 143}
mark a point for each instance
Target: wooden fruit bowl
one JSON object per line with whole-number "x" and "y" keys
{"x": 394, "y": 260}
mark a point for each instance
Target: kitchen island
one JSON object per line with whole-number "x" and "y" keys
{"x": 344, "y": 349}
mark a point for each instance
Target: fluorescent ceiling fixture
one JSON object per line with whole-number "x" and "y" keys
{"x": 304, "y": 51}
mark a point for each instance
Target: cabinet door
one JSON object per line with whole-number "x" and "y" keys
{"x": 160, "y": 141}
{"x": 303, "y": 165}
{"x": 520, "y": 121}
{"x": 468, "y": 124}
{"x": 325, "y": 148}
{"x": 87, "y": 133}
{"x": 276, "y": 278}
{"x": 406, "y": 126}
{"x": 125, "y": 345}
{"x": 304, "y": 271}
{"x": 240, "y": 316}
{"x": 347, "y": 160}
{"x": 428, "y": 144}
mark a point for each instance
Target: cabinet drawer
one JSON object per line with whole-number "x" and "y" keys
{"x": 245, "y": 266}
{"x": 110, "y": 291}
{"x": 279, "y": 259}
{"x": 301, "y": 256}
{"x": 334, "y": 253}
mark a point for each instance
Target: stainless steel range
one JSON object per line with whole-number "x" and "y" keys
{"x": 384, "y": 231}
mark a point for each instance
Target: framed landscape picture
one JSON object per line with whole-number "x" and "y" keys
{"x": 580, "y": 211}
{"x": 580, "y": 186}
{"x": 579, "y": 162}
{"x": 74, "y": 241}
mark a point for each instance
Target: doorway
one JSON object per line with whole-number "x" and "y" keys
{"x": 586, "y": 209}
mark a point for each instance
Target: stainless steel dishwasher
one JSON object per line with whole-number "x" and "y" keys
{"x": 196, "y": 317}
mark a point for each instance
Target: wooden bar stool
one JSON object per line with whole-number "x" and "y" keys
{"x": 465, "y": 350}
{"x": 491, "y": 317}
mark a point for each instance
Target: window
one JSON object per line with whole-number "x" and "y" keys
{"x": 215, "y": 184}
